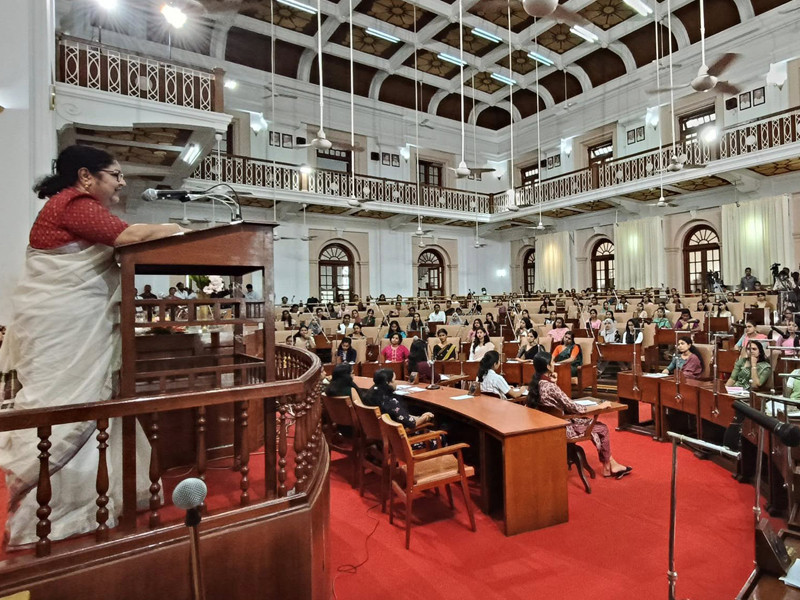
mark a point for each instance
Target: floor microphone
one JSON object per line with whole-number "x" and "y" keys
{"x": 189, "y": 495}
{"x": 789, "y": 435}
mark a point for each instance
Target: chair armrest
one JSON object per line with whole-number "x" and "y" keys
{"x": 441, "y": 452}
{"x": 431, "y": 435}
{"x": 419, "y": 428}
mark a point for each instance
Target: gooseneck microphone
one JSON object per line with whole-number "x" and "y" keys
{"x": 152, "y": 194}
{"x": 189, "y": 495}
{"x": 230, "y": 200}
{"x": 789, "y": 435}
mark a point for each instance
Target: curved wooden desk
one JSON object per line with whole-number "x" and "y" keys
{"x": 523, "y": 456}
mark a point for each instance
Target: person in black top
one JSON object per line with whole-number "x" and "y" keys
{"x": 491, "y": 326}
{"x": 443, "y": 350}
{"x": 531, "y": 346}
{"x": 342, "y": 383}
{"x": 381, "y": 394}
{"x": 345, "y": 352}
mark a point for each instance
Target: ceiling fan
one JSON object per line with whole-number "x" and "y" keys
{"x": 536, "y": 8}
{"x": 424, "y": 124}
{"x": 278, "y": 95}
{"x": 422, "y": 233}
{"x": 321, "y": 142}
{"x": 278, "y": 238}
{"x": 662, "y": 203}
{"x": 541, "y": 226}
{"x": 708, "y": 77}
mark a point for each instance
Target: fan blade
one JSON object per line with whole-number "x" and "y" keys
{"x": 723, "y": 87}
{"x": 481, "y": 170}
{"x": 349, "y": 148}
{"x": 569, "y": 17}
{"x": 665, "y": 90}
{"x": 722, "y": 63}
{"x": 279, "y": 238}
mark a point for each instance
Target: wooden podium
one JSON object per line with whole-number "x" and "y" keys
{"x": 175, "y": 347}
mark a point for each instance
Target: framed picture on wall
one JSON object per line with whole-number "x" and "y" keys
{"x": 557, "y": 161}
{"x": 640, "y": 134}
{"x": 631, "y": 136}
{"x": 287, "y": 140}
{"x": 395, "y": 160}
{"x": 744, "y": 101}
{"x": 758, "y": 96}
{"x": 275, "y": 138}
{"x": 549, "y": 162}
{"x": 386, "y": 159}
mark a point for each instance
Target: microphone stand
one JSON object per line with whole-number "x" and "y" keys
{"x": 433, "y": 385}
{"x": 672, "y": 574}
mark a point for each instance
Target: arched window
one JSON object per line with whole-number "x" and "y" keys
{"x": 335, "y": 273}
{"x": 603, "y": 265}
{"x": 431, "y": 274}
{"x": 529, "y": 270}
{"x": 701, "y": 256}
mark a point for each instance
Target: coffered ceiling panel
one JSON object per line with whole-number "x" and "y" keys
{"x": 434, "y": 220}
{"x": 373, "y": 214}
{"x": 560, "y": 212}
{"x": 701, "y": 183}
{"x": 484, "y": 83}
{"x": 594, "y": 206}
{"x": 497, "y": 13}
{"x": 472, "y": 43}
{"x": 607, "y": 13}
{"x": 327, "y": 210}
{"x": 779, "y": 167}
{"x": 520, "y": 61}
{"x": 290, "y": 18}
{"x": 364, "y": 42}
{"x": 396, "y": 12}
{"x": 650, "y": 194}
{"x": 559, "y": 39}
{"x": 429, "y": 62}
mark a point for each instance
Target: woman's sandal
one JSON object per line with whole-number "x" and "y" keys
{"x": 620, "y": 474}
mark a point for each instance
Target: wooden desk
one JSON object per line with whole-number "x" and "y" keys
{"x": 619, "y": 352}
{"x": 687, "y": 402}
{"x": 765, "y": 586}
{"x": 512, "y": 371}
{"x": 714, "y": 409}
{"x": 523, "y": 456}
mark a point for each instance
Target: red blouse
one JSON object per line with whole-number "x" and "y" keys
{"x": 71, "y": 216}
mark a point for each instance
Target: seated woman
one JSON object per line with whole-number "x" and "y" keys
{"x": 395, "y": 351}
{"x": 610, "y": 315}
{"x": 480, "y": 345}
{"x": 750, "y": 333}
{"x": 369, "y": 320}
{"x": 530, "y": 347}
{"x": 551, "y": 318}
{"x": 546, "y": 306}
{"x": 304, "y": 339}
{"x": 687, "y": 359}
{"x": 631, "y": 336}
{"x": 341, "y": 383}
{"x": 685, "y": 322}
{"x": 609, "y": 332}
{"x": 660, "y": 319}
{"x": 641, "y": 313}
{"x": 416, "y": 323}
{"x": 491, "y": 326}
{"x": 701, "y": 306}
{"x": 593, "y": 322}
{"x": 542, "y": 391}
{"x": 354, "y": 318}
{"x": 526, "y": 319}
{"x": 720, "y": 309}
{"x": 443, "y": 350}
{"x": 418, "y": 364}
{"x": 491, "y": 382}
{"x": 394, "y": 327}
{"x": 558, "y": 330}
{"x": 345, "y": 353}
{"x": 381, "y": 394}
{"x": 568, "y": 352}
{"x": 476, "y": 325}
{"x": 753, "y": 366}
{"x": 761, "y": 301}
{"x": 287, "y": 320}
{"x": 457, "y": 318}
{"x": 357, "y": 333}
{"x": 788, "y": 338}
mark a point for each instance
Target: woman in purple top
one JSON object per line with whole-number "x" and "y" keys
{"x": 687, "y": 360}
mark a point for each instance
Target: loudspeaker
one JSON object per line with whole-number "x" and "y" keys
{"x": 300, "y": 141}
{"x": 374, "y": 155}
{"x": 731, "y": 104}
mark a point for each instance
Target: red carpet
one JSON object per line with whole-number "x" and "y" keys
{"x": 613, "y": 548}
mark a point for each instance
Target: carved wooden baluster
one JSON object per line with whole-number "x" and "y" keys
{"x": 155, "y": 486}
{"x": 299, "y": 447}
{"x": 102, "y": 481}
{"x": 282, "y": 447}
{"x": 43, "y": 492}
{"x": 201, "y": 446}
{"x": 244, "y": 468}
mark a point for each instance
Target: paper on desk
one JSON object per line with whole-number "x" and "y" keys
{"x": 464, "y": 397}
{"x": 414, "y": 390}
{"x": 585, "y": 402}
{"x": 401, "y": 392}
{"x": 655, "y": 375}
{"x": 792, "y": 578}
{"x": 735, "y": 390}
{"x": 512, "y": 361}
{"x": 444, "y": 377}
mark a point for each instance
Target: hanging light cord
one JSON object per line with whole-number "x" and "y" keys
{"x": 416, "y": 123}
{"x": 272, "y": 109}
{"x": 536, "y": 199}
{"x": 512, "y": 199}
{"x": 461, "y": 59}
{"x": 319, "y": 63}
{"x": 659, "y": 53}
{"x": 352, "y": 114}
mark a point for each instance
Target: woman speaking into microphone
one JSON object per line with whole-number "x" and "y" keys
{"x": 63, "y": 342}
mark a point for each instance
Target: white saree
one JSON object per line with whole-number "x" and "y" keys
{"x": 64, "y": 345}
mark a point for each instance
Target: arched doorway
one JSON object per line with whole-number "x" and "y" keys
{"x": 336, "y": 270}
{"x": 529, "y": 272}
{"x": 603, "y": 265}
{"x": 430, "y": 274}
{"x": 701, "y": 256}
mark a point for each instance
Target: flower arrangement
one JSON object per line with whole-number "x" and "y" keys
{"x": 215, "y": 284}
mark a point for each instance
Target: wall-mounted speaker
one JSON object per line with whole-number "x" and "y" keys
{"x": 300, "y": 141}
{"x": 731, "y": 104}
{"x": 374, "y": 155}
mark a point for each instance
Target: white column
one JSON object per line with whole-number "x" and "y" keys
{"x": 27, "y": 45}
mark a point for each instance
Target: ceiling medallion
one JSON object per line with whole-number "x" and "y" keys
{"x": 395, "y": 12}
{"x": 607, "y": 13}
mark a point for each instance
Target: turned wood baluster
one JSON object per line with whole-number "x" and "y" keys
{"x": 43, "y": 492}
{"x": 201, "y": 446}
{"x": 282, "y": 447}
{"x": 155, "y": 475}
{"x": 299, "y": 446}
{"x": 101, "y": 534}
{"x": 244, "y": 469}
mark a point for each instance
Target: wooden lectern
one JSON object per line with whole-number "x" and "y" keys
{"x": 172, "y": 347}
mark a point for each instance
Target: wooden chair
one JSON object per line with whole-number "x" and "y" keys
{"x": 575, "y": 453}
{"x": 587, "y": 372}
{"x": 340, "y": 412}
{"x": 423, "y": 471}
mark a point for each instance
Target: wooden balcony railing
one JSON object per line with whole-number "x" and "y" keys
{"x": 100, "y": 67}
{"x": 294, "y": 399}
{"x": 761, "y": 134}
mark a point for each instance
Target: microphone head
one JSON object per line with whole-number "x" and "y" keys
{"x": 790, "y": 436}
{"x": 189, "y": 493}
{"x": 150, "y": 195}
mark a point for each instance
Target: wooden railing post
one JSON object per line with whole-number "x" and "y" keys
{"x": 43, "y": 492}
{"x": 244, "y": 468}
{"x": 282, "y": 446}
{"x": 201, "y": 446}
{"x": 102, "y": 481}
{"x": 270, "y": 443}
{"x": 154, "y": 473}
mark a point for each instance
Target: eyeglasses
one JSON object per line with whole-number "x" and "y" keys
{"x": 118, "y": 175}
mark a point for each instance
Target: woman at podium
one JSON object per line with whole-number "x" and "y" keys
{"x": 64, "y": 344}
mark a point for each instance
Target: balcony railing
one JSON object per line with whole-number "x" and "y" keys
{"x": 243, "y": 170}
{"x": 99, "y": 67}
{"x": 760, "y": 134}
